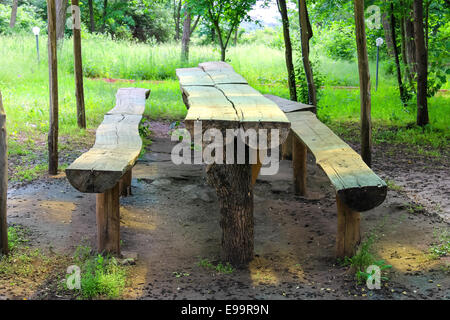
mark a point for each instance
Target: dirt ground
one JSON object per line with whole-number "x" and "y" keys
{"x": 172, "y": 223}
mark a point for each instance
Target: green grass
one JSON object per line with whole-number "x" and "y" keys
{"x": 101, "y": 276}
{"x": 441, "y": 245}
{"x": 219, "y": 268}
{"x": 363, "y": 259}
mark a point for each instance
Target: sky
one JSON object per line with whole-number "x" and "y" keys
{"x": 268, "y": 16}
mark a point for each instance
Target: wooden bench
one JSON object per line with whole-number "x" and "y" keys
{"x": 106, "y": 169}
{"x": 358, "y": 188}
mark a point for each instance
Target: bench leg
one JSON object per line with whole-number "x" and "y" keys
{"x": 348, "y": 230}
{"x": 299, "y": 156}
{"x": 286, "y": 148}
{"x": 125, "y": 184}
{"x": 235, "y": 193}
{"x": 108, "y": 221}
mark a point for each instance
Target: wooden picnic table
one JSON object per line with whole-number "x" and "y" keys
{"x": 219, "y": 98}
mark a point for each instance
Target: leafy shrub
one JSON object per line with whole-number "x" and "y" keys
{"x": 340, "y": 43}
{"x": 26, "y": 19}
{"x": 300, "y": 75}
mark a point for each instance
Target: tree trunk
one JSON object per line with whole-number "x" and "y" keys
{"x": 397, "y": 60}
{"x": 422, "y": 64}
{"x": 12, "y": 22}
{"x": 91, "y": 16}
{"x": 78, "y": 66}
{"x": 410, "y": 46}
{"x": 3, "y": 181}
{"x": 364, "y": 82}
{"x": 186, "y": 37}
{"x": 288, "y": 49}
{"x": 408, "y": 75}
{"x": 387, "y": 33}
{"x": 305, "y": 35}
{"x": 177, "y": 18}
{"x": 235, "y": 193}
{"x": 105, "y": 12}
{"x": 61, "y": 11}
{"x": 53, "y": 85}
{"x": 236, "y": 31}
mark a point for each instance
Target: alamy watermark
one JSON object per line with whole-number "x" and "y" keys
{"x": 228, "y": 146}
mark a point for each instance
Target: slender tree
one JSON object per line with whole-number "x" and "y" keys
{"x": 177, "y": 18}
{"x": 53, "y": 87}
{"x": 78, "y": 67}
{"x": 364, "y": 82}
{"x": 188, "y": 29}
{"x": 3, "y": 181}
{"x": 12, "y": 22}
{"x": 61, "y": 13}
{"x": 305, "y": 35}
{"x": 422, "y": 64}
{"x": 91, "y": 16}
{"x": 186, "y": 36}
{"x": 288, "y": 49}
{"x": 396, "y": 55}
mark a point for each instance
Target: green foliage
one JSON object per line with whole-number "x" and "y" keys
{"x": 220, "y": 267}
{"x": 363, "y": 259}
{"x": 339, "y": 41}
{"x": 441, "y": 245}
{"x": 319, "y": 79}
{"x": 101, "y": 276}
{"x": 16, "y": 237}
{"x": 26, "y": 19}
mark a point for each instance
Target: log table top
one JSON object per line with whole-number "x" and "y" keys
{"x": 221, "y": 98}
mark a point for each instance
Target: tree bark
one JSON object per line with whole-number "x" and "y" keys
{"x": 78, "y": 66}
{"x": 364, "y": 83}
{"x": 3, "y": 181}
{"x": 105, "y": 12}
{"x": 61, "y": 11}
{"x": 53, "y": 85}
{"x": 305, "y": 35}
{"x": 186, "y": 37}
{"x": 12, "y": 22}
{"x": 410, "y": 46}
{"x": 396, "y": 56}
{"x": 422, "y": 64}
{"x": 288, "y": 49}
{"x": 177, "y": 18}
{"x": 91, "y": 16}
{"x": 387, "y": 34}
{"x": 233, "y": 184}
{"x": 407, "y": 76}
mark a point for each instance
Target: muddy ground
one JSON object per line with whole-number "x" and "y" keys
{"x": 172, "y": 223}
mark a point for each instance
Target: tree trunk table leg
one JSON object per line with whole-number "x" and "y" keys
{"x": 348, "y": 230}
{"x": 125, "y": 184}
{"x": 235, "y": 193}
{"x": 286, "y": 148}
{"x": 108, "y": 221}
{"x": 299, "y": 157}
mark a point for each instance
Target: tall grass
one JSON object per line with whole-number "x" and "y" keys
{"x": 24, "y": 84}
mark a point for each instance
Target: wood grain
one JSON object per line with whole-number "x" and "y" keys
{"x": 3, "y": 181}
{"x": 355, "y": 183}
{"x": 117, "y": 146}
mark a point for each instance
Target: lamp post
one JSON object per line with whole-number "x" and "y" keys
{"x": 36, "y": 31}
{"x": 379, "y": 42}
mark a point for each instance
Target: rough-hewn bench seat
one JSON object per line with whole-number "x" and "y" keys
{"x": 106, "y": 168}
{"x": 358, "y": 188}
